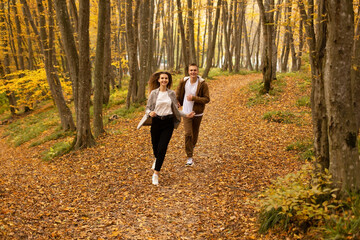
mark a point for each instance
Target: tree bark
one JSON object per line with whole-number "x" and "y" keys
{"x": 99, "y": 70}
{"x": 343, "y": 148}
{"x": 46, "y": 42}
{"x": 317, "y": 44}
{"x": 267, "y": 56}
{"x": 247, "y": 49}
{"x": 238, "y": 35}
{"x": 211, "y": 49}
{"x": 145, "y": 40}
{"x": 108, "y": 70}
{"x": 131, "y": 39}
{"x": 191, "y": 30}
{"x": 184, "y": 46}
{"x": 6, "y": 70}
{"x": 301, "y": 44}
{"x": 84, "y": 137}
{"x": 18, "y": 36}
{"x": 356, "y": 71}
{"x": 31, "y": 60}
{"x": 226, "y": 27}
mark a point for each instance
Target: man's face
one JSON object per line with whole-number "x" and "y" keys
{"x": 193, "y": 71}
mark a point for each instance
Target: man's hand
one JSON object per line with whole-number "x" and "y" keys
{"x": 189, "y": 97}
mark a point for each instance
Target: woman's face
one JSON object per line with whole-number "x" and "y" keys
{"x": 163, "y": 79}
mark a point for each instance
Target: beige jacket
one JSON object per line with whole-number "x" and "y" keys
{"x": 150, "y": 106}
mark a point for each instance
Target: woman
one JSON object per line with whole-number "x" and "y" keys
{"x": 162, "y": 110}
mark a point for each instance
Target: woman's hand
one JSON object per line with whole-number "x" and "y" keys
{"x": 152, "y": 114}
{"x": 190, "y": 115}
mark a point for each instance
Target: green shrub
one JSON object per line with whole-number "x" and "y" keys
{"x": 299, "y": 200}
{"x": 345, "y": 224}
{"x": 280, "y": 117}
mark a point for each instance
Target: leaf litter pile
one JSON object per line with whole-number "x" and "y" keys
{"x": 105, "y": 192}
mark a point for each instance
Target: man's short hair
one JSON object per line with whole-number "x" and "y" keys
{"x": 194, "y": 65}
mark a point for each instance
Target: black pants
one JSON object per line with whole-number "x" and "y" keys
{"x": 161, "y": 132}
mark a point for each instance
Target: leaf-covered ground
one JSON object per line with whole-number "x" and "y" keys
{"x": 106, "y": 193}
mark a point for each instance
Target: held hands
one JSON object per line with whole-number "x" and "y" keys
{"x": 190, "y": 115}
{"x": 152, "y": 114}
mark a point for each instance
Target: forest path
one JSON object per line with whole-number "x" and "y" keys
{"x": 106, "y": 193}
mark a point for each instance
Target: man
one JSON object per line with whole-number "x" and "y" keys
{"x": 192, "y": 93}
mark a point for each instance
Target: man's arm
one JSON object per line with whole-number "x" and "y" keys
{"x": 205, "y": 96}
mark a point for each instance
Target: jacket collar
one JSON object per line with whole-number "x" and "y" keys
{"x": 199, "y": 78}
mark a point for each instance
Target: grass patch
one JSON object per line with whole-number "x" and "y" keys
{"x": 215, "y": 72}
{"x": 123, "y": 112}
{"x": 256, "y": 89}
{"x": 304, "y": 147}
{"x": 280, "y": 117}
{"x": 57, "y": 134}
{"x": 303, "y": 101}
{"x": 31, "y": 126}
{"x": 58, "y": 149}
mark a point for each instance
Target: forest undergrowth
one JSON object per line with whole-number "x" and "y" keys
{"x": 105, "y": 192}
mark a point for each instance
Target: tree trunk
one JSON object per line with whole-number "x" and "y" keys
{"x": 99, "y": 70}
{"x": 247, "y": 49}
{"x": 183, "y": 38}
{"x": 65, "y": 114}
{"x": 68, "y": 40}
{"x": 267, "y": 56}
{"x": 4, "y": 40}
{"x": 18, "y": 36}
{"x": 191, "y": 30}
{"x": 343, "y": 148}
{"x": 257, "y": 62}
{"x": 317, "y": 44}
{"x": 84, "y": 137}
{"x": 238, "y": 35}
{"x": 131, "y": 39}
{"x": 294, "y": 65}
{"x": 31, "y": 60}
{"x": 301, "y": 44}
{"x": 74, "y": 15}
{"x": 145, "y": 40}
{"x": 226, "y": 19}
{"x": 108, "y": 69}
{"x": 209, "y": 12}
{"x": 356, "y": 72}
{"x": 211, "y": 49}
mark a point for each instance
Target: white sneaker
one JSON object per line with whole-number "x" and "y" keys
{"x": 153, "y": 166}
{"x": 155, "y": 179}
{"x": 189, "y": 162}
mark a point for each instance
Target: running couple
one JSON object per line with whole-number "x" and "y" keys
{"x": 163, "y": 114}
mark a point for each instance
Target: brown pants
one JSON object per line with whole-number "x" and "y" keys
{"x": 191, "y": 127}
